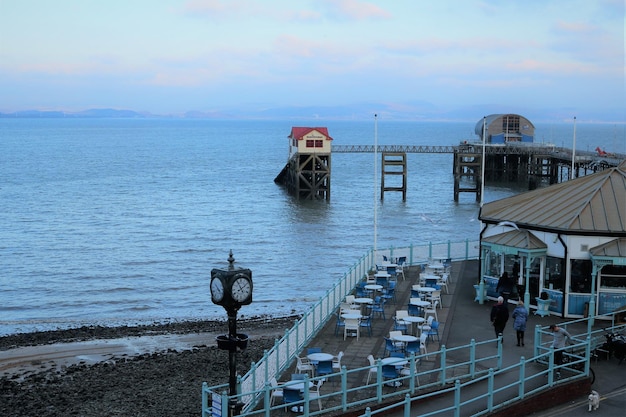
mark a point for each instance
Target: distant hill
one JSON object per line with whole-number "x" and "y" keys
{"x": 91, "y": 113}
{"x": 416, "y": 110}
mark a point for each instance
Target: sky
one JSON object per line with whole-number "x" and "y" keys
{"x": 174, "y": 56}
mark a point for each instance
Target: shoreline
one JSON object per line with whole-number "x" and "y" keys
{"x": 154, "y": 370}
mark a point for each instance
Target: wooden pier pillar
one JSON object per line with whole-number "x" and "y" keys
{"x": 393, "y": 165}
{"x": 467, "y": 165}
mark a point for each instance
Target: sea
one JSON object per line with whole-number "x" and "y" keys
{"x": 120, "y": 221}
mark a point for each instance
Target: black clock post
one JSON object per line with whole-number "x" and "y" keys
{"x": 232, "y": 288}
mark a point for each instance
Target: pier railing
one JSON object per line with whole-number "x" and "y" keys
{"x": 285, "y": 350}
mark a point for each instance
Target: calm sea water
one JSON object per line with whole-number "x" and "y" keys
{"x": 107, "y": 221}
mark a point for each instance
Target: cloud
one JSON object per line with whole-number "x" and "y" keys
{"x": 355, "y": 10}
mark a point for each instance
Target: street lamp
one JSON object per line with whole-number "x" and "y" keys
{"x": 232, "y": 288}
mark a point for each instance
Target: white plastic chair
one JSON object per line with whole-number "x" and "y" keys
{"x": 337, "y": 361}
{"x": 432, "y": 310}
{"x": 314, "y": 393}
{"x": 352, "y": 325}
{"x": 276, "y": 392}
{"x": 304, "y": 365}
{"x": 373, "y": 370}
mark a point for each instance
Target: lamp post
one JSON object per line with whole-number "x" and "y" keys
{"x": 481, "y": 282}
{"x": 232, "y": 288}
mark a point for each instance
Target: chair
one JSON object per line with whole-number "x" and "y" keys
{"x": 414, "y": 310}
{"x": 435, "y": 296}
{"x": 290, "y": 396}
{"x": 276, "y": 392}
{"x": 324, "y": 368}
{"x": 373, "y": 369}
{"x": 391, "y": 270}
{"x": 400, "y": 314}
{"x": 407, "y": 371}
{"x": 390, "y": 292}
{"x": 389, "y": 372}
{"x": 304, "y": 365}
{"x": 378, "y": 307}
{"x": 434, "y": 330}
{"x": 382, "y": 281}
{"x": 390, "y": 347}
{"x": 350, "y": 300}
{"x": 432, "y": 310}
{"x": 313, "y": 350}
{"x": 351, "y": 325}
{"x": 314, "y": 393}
{"x": 423, "y": 338}
{"x": 443, "y": 282}
{"x": 412, "y": 347}
{"x": 400, "y": 268}
{"x": 400, "y": 325}
{"x": 366, "y": 322}
{"x": 339, "y": 324}
{"x": 337, "y": 362}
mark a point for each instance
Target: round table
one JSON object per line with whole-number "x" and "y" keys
{"x": 426, "y": 289}
{"x": 398, "y": 362}
{"x": 420, "y": 303}
{"x": 382, "y": 274}
{"x": 404, "y": 338}
{"x": 351, "y": 316}
{"x": 320, "y": 356}
{"x": 373, "y": 287}
{"x": 413, "y": 320}
{"x": 361, "y": 301}
{"x": 298, "y": 384}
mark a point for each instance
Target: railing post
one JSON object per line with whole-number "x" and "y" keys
{"x": 449, "y": 251}
{"x": 407, "y": 405}
{"x": 442, "y": 364}
{"x": 490, "y": 390}
{"x": 457, "y": 398}
{"x": 522, "y": 378}
{"x": 472, "y": 358}
{"x": 344, "y": 387}
{"x": 411, "y": 254}
{"x": 205, "y": 402}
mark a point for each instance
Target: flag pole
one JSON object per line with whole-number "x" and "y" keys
{"x": 481, "y": 283}
{"x": 375, "y": 180}
{"x": 571, "y": 176}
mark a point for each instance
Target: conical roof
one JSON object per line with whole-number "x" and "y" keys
{"x": 591, "y": 205}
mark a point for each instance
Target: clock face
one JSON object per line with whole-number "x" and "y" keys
{"x": 241, "y": 289}
{"x": 217, "y": 290}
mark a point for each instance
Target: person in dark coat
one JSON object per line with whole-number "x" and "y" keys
{"x": 505, "y": 286}
{"x": 499, "y": 316}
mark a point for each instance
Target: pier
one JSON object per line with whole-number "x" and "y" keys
{"x": 531, "y": 164}
{"x": 510, "y": 156}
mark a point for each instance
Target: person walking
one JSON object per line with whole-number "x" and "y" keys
{"x": 520, "y": 317}
{"x": 561, "y": 336}
{"x": 505, "y": 286}
{"x": 499, "y": 316}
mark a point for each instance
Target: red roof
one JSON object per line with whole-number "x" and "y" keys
{"x": 300, "y": 132}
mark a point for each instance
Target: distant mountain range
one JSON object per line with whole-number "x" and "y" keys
{"x": 415, "y": 111}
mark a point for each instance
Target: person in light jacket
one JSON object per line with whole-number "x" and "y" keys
{"x": 520, "y": 317}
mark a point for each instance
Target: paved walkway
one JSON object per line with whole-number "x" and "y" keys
{"x": 462, "y": 320}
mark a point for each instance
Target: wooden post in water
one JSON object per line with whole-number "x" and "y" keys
{"x": 396, "y": 162}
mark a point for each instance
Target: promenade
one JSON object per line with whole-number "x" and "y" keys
{"x": 462, "y": 319}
